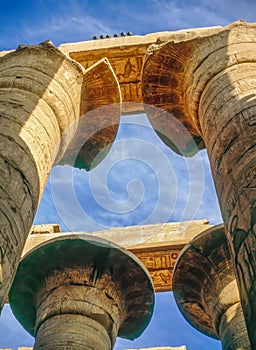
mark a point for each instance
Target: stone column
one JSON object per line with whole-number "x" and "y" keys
{"x": 40, "y": 92}
{"x": 205, "y": 289}
{"x": 205, "y": 79}
{"x": 40, "y": 105}
{"x": 80, "y": 292}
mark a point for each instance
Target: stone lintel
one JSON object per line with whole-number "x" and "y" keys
{"x": 157, "y": 246}
{"x": 126, "y": 56}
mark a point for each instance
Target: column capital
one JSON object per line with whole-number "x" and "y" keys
{"x": 206, "y": 291}
{"x": 176, "y": 71}
{"x": 85, "y": 276}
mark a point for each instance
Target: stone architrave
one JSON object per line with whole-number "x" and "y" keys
{"x": 205, "y": 289}
{"x": 125, "y": 54}
{"x": 80, "y": 292}
{"x": 205, "y": 82}
{"x": 41, "y": 101}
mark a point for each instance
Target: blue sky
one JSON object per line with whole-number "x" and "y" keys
{"x": 141, "y": 181}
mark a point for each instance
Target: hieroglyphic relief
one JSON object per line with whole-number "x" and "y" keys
{"x": 127, "y": 71}
{"x": 160, "y": 264}
{"x": 243, "y": 250}
{"x": 127, "y": 65}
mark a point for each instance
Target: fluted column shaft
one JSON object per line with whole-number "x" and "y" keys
{"x": 40, "y": 92}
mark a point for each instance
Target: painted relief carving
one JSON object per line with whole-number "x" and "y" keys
{"x": 160, "y": 265}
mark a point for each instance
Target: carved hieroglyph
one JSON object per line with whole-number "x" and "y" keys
{"x": 208, "y": 82}
{"x": 206, "y": 292}
{"x": 40, "y": 105}
{"x": 126, "y": 56}
{"x": 83, "y": 296}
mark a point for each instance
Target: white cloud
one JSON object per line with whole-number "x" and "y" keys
{"x": 141, "y": 181}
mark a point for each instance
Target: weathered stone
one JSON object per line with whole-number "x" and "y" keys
{"x": 215, "y": 74}
{"x": 126, "y": 55}
{"x": 40, "y": 91}
{"x": 203, "y": 79}
{"x": 83, "y": 296}
{"x": 157, "y": 246}
{"x": 43, "y": 229}
{"x": 206, "y": 292}
{"x": 44, "y": 99}
{"x": 100, "y": 112}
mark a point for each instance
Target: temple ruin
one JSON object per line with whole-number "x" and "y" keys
{"x": 62, "y": 106}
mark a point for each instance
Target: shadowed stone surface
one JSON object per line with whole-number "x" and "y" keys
{"x": 83, "y": 296}
{"x": 206, "y": 292}
{"x": 100, "y": 113}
